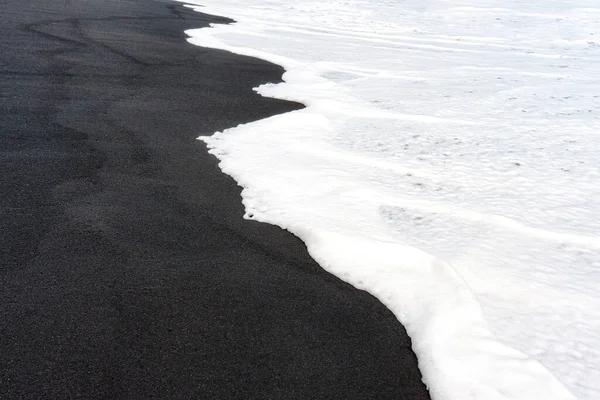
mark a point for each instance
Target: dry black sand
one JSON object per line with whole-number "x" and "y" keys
{"x": 126, "y": 269}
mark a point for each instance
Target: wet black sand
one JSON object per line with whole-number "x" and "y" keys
{"x": 126, "y": 269}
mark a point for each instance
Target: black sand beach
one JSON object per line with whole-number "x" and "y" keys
{"x": 127, "y": 271}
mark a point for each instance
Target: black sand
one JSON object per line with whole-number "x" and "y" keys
{"x": 126, "y": 269}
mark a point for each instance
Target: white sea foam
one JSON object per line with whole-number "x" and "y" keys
{"x": 446, "y": 163}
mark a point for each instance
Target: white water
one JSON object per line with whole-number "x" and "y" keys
{"x": 447, "y": 163}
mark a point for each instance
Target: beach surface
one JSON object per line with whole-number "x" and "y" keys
{"x": 127, "y": 270}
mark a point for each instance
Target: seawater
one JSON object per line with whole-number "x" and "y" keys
{"x": 447, "y": 163}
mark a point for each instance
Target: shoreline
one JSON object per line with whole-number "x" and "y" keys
{"x": 130, "y": 272}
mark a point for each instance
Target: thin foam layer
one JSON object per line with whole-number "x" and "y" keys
{"x": 445, "y": 164}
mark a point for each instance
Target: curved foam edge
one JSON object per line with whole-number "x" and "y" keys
{"x": 458, "y": 355}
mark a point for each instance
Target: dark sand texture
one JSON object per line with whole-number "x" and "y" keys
{"x": 126, "y": 269}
